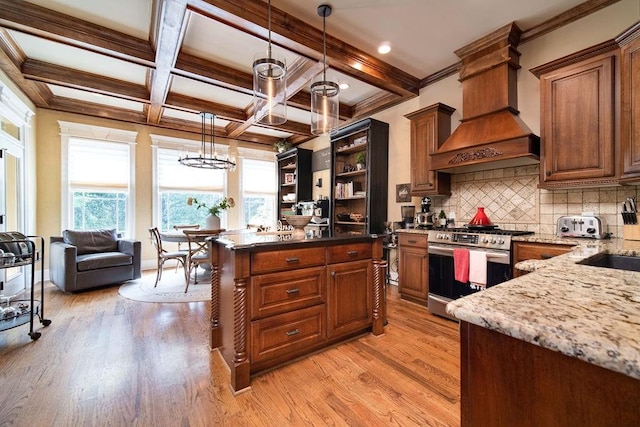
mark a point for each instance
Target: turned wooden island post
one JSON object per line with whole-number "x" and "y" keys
{"x": 275, "y": 298}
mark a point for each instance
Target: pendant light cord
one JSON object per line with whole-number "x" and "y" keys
{"x": 324, "y": 47}
{"x": 269, "y": 27}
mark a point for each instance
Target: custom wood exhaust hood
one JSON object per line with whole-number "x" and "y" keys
{"x": 491, "y": 134}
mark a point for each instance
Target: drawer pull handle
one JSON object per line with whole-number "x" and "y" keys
{"x": 293, "y": 291}
{"x": 412, "y": 241}
{"x": 292, "y": 260}
{"x": 294, "y": 332}
{"x": 352, "y": 253}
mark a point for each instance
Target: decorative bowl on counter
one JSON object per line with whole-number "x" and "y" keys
{"x": 356, "y": 217}
{"x": 298, "y": 221}
{"x": 344, "y": 216}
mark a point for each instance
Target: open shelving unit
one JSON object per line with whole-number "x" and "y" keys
{"x": 359, "y": 201}
{"x": 294, "y": 177}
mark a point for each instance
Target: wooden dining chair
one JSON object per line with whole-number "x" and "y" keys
{"x": 198, "y": 251}
{"x": 162, "y": 255}
{"x": 180, "y": 227}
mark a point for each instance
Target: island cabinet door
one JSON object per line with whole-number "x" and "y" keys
{"x": 350, "y": 297}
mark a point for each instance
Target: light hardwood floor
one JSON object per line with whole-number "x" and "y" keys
{"x": 106, "y": 360}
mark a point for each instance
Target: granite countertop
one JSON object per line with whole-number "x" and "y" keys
{"x": 252, "y": 240}
{"x": 590, "y": 313}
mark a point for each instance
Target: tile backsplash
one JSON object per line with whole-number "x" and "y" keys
{"x": 512, "y": 200}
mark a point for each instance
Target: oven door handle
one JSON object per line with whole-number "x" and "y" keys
{"x": 443, "y": 250}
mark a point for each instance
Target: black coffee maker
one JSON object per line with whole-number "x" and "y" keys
{"x": 424, "y": 218}
{"x": 407, "y": 213}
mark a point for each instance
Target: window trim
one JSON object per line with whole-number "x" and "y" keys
{"x": 72, "y": 130}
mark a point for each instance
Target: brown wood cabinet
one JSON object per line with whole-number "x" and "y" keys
{"x": 579, "y": 106}
{"x": 413, "y": 267}
{"x": 274, "y": 302}
{"x": 430, "y": 127}
{"x": 630, "y": 115}
{"x": 508, "y": 382}
{"x": 349, "y": 297}
{"x": 523, "y": 251}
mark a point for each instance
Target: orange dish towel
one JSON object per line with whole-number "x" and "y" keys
{"x": 461, "y": 264}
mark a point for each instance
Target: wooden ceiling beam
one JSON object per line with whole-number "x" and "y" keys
{"x": 67, "y": 77}
{"x": 11, "y": 60}
{"x": 289, "y": 32}
{"x": 38, "y": 21}
{"x": 171, "y": 28}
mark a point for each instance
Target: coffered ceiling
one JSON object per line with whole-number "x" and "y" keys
{"x": 160, "y": 62}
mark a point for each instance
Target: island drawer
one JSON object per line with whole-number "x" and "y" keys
{"x": 410, "y": 239}
{"x": 277, "y": 293}
{"x": 345, "y": 253}
{"x": 288, "y": 259}
{"x": 286, "y": 334}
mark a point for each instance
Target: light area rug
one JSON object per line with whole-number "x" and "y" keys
{"x": 170, "y": 288}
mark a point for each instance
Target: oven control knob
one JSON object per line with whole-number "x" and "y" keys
{"x": 501, "y": 241}
{"x": 485, "y": 240}
{"x": 493, "y": 240}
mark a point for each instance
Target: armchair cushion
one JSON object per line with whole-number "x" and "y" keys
{"x": 90, "y": 242}
{"x": 88, "y": 262}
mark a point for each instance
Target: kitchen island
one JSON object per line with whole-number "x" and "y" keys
{"x": 558, "y": 346}
{"x": 278, "y": 297}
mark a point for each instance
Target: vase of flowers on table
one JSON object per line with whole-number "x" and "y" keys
{"x": 212, "y": 222}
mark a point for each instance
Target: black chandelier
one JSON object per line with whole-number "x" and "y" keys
{"x": 208, "y": 158}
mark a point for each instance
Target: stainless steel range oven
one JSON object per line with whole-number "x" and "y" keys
{"x": 443, "y": 288}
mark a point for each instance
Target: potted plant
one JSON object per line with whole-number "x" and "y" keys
{"x": 213, "y": 220}
{"x": 360, "y": 159}
{"x": 282, "y": 145}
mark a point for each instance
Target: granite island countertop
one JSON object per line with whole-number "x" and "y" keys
{"x": 254, "y": 240}
{"x": 590, "y": 313}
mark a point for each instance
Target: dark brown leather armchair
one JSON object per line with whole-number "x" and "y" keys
{"x": 88, "y": 259}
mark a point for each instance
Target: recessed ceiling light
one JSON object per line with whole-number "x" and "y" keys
{"x": 344, "y": 85}
{"x": 384, "y": 48}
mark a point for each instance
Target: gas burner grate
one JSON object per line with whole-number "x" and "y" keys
{"x": 494, "y": 231}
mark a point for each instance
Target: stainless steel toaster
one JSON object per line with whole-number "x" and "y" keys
{"x": 581, "y": 226}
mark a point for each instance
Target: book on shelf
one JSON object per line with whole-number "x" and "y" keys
{"x": 345, "y": 190}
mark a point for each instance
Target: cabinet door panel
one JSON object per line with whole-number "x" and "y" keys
{"x": 578, "y": 104}
{"x": 350, "y": 298}
{"x": 413, "y": 272}
{"x": 630, "y": 87}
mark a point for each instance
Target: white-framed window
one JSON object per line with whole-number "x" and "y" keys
{"x": 252, "y": 185}
{"x": 98, "y": 175}
{"x": 175, "y": 183}
{"x": 259, "y": 191}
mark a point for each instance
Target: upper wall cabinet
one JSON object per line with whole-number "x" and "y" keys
{"x": 579, "y": 106}
{"x": 430, "y": 127}
{"x": 629, "y": 42}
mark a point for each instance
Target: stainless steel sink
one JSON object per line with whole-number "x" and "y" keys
{"x": 617, "y": 262}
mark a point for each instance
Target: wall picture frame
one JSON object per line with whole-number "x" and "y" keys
{"x": 403, "y": 193}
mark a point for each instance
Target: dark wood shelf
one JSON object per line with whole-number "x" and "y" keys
{"x": 372, "y": 180}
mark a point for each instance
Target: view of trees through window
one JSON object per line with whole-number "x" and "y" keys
{"x": 259, "y": 210}
{"x": 92, "y": 210}
{"x": 174, "y": 209}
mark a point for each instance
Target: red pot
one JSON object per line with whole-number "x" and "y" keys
{"x": 480, "y": 218}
